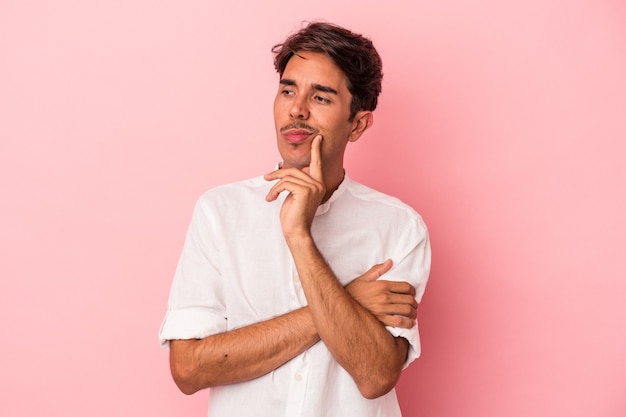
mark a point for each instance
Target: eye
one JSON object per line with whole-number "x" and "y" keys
{"x": 287, "y": 92}
{"x": 322, "y": 100}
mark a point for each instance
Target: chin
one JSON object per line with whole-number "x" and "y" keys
{"x": 296, "y": 162}
{"x": 292, "y": 158}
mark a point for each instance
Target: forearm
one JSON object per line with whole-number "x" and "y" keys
{"x": 241, "y": 354}
{"x": 356, "y": 339}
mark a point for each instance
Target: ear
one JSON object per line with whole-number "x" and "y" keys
{"x": 362, "y": 121}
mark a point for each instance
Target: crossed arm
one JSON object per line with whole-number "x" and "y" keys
{"x": 252, "y": 351}
{"x": 349, "y": 320}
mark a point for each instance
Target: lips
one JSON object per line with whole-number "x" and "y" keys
{"x": 297, "y": 135}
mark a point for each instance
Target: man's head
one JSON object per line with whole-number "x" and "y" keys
{"x": 354, "y": 54}
{"x": 330, "y": 79}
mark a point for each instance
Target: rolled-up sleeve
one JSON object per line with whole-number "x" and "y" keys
{"x": 196, "y": 306}
{"x": 412, "y": 264}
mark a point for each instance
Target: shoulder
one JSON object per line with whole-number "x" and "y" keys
{"x": 232, "y": 199}
{"x": 239, "y": 190}
{"x": 371, "y": 199}
{"x": 368, "y": 206}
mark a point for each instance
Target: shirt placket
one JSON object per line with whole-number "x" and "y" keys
{"x": 297, "y": 297}
{"x": 299, "y": 376}
{"x": 299, "y": 368}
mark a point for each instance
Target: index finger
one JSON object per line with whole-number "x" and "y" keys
{"x": 400, "y": 287}
{"x": 315, "y": 168}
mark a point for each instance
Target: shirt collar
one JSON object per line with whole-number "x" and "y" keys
{"x": 323, "y": 208}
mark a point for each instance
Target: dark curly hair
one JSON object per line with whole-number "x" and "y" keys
{"x": 354, "y": 54}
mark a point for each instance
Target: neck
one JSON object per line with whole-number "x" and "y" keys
{"x": 332, "y": 182}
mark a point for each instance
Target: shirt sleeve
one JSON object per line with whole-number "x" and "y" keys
{"x": 412, "y": 264}
{"x": 196, "y": 307}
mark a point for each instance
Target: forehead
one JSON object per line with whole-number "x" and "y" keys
{"x": 315, "y": 68}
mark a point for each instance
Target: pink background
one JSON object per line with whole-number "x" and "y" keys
{"x": 502, "y": 123}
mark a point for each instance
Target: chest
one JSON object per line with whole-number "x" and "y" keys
{"x": 259, "y": 277}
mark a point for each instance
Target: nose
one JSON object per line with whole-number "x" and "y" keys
{"x": 299, "y": 109}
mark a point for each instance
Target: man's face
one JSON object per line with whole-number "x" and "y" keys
{"x": 312, "y": 99}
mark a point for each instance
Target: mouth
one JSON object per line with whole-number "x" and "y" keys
{"x": 296, "y": 135}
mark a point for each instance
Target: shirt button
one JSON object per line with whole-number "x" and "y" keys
{"x": 298, "y": 377}
{"x": 296, "y": 279}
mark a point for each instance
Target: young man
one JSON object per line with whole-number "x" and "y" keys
{"x": 275, "y": 304}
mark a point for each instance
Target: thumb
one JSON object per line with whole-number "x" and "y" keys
{"x": 377, "y": 271}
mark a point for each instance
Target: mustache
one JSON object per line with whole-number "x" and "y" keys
{"x": 297, "y": 125}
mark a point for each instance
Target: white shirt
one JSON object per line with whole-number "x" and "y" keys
{"x": 236, "y": 269}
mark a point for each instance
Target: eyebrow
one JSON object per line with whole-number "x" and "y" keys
{"x": 318, "y": 87}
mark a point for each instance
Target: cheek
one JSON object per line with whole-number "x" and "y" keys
{"x": 279, "y": 118}
{"x": 338, "y": 126}
{"x": 326, "y": 122}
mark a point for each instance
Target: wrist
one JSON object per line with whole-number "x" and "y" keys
{"x": 299, "y": 238}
